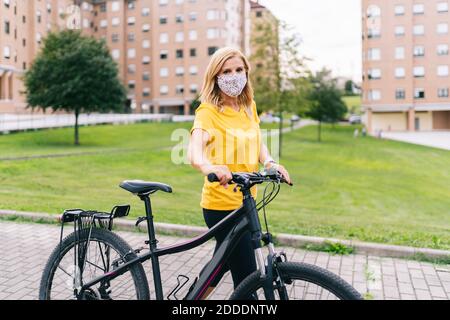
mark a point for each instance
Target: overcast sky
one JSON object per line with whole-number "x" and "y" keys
{"x": 330, "y": 29}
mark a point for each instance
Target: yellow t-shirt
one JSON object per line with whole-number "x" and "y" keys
{"x": 235, "y": 141}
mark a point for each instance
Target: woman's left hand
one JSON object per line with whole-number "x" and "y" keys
{"x": 283, "y": 172}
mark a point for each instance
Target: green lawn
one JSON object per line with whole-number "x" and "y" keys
{"x": 353, "y": 102}
{"x": 363, "y": 188}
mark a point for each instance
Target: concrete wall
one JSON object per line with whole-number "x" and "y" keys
{"x": 395, "y": 121}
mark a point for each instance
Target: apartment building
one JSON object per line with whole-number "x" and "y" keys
{"x": 406, "y": 65}
{"x": 162, "y": 47}
{"x": 264, "y": 45}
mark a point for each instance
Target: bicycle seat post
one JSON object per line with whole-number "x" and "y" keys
{"x": 152, "y": 244}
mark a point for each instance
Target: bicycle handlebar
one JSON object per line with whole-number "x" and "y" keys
{"x": 248, "y": 179}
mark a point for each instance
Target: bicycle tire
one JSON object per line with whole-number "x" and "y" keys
{"x": 299, "y": 271}
{"x": 101, "y": 236}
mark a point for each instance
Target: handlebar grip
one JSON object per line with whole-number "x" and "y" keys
{"x": 213, "y": 178}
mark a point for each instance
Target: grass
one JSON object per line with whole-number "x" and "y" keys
{"x": 363, "y": 189}
{"x": 353, "y": 104}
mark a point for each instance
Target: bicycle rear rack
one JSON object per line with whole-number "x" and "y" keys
{"x": 85, "y": 220}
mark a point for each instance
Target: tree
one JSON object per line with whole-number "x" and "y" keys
{"x": 75, "y": 74}
{"x": 349, "y": 87}
{"x": 326, "y": 103}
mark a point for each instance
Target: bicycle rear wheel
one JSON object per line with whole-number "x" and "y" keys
{"x": 102, "y": 253}
{"x": 302, "y": 282}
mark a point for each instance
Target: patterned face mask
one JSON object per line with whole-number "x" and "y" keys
{"x": 232, "y": 84}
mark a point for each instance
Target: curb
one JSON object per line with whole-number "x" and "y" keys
{"x": 298, "y": 241}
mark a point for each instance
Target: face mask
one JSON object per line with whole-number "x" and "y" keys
{"x": 232, "y": 85}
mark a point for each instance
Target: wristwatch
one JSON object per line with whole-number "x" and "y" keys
{"x": 269, "y": 161}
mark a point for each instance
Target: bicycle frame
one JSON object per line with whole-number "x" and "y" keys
{"x": 244, "y": 219}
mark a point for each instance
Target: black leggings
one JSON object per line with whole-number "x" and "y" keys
{"x": 242, "y": 260}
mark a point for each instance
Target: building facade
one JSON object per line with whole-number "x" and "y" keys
{"x": 162, "y": 47}
{"x": 406, "y": 65}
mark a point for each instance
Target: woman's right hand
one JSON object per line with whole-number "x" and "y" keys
{"x": 223, "y": 173}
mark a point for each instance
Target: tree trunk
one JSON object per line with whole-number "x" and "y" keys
{"x": 319, "y": 132}
{"x": 77, "y": 139}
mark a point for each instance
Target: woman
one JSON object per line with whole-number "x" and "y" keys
{"x": 226, "y": 138}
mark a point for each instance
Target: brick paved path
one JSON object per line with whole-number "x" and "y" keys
{"x": 24, "y": 249}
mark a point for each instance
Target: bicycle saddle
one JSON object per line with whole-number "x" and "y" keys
{"x": 140, "y": 187}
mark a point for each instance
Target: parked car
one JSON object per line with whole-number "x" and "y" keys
{"x": 354, "y": 119}
{"x": 268, "y": 118}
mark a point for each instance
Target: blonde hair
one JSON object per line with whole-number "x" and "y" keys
{"x": 210, "y": 92}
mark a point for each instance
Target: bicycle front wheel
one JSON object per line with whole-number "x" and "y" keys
{"x": 85, "y": 255}
{"x": 301, "y": 282}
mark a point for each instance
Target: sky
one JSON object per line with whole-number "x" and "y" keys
{"x": 330, "y": 29}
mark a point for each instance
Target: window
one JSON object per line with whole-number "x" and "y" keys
{"x": 145, "y": 44}
{"x": 419, "y": 93}
{"x": 443, "y": 93}
{"x": 442, "y": 71}
{"x": 193, "y": 16}
{"x": 131, "y": 4}
{"x": 38, "y": 38}
{"x": 374, "y": 74}
{"x": 442, "y": 7}
{"x": 179, "y": 53}
{"x": 193, "y": 88}
{"x": 193, "y": 70}
{"x": 399, "y": 30}
{"x": 164, "y": 90}
{"x": 131, "y": 53}
{"x": 419, "y": 51}
{"x": 146, "y": 76}
{"x": 212, "y": 33}
{"x": 146, "y": 59}
{"x": 179, "y": 89}
{"x": 179, "y": 71}
{"x": 179, "y": 18}
{"x": 419, "y": 30}
{"x": 373, "y": 11}
{"x": 163, "y": 54}
{"x": 400, "y": 94}
{"x": 131, "y": 68}
{"x": 103, "y": 7}
{"x": 131, "y": 37}
{"x": 374, "y": 54}
{"x": 212, "y": 15}
{"x": 418, "y": 8}
{"x": 163, "y": 2}
{"x": 179, "y": 37}
{"x": 212, "y": 50}
{"x": 103, "y": 23}
{"x": 6, "y": 52}
{"x": 193, "y": 35}
{"x": 164, "y": 72}
{"x": 400, "y": 53}
{"x": 115, "y": 37}
{"x": 7, "y": 27}
{"x": 442, "y": 28}
{"x": 115, "y": 21}
{"x": 259, "y": 14}
{"x": 145, "y": 12}
{"x": 163, "y": 20}
{"x": 399, "y": 73}
{"x": 131, "y": 84}
{"x": 193, "y": 52}
{"x": 131, "y": 20}
{"x": 49, "y": 7}
{"x": 115, "y": 53}
{"x": 146, "y": 92}
{"x": 442, "y": 49}
{"x": 419, "y": 72}
{"x": 145, "y": 27}
{"x": 179, "y": 2}
{"x": 115, "y": 6}
{"x": 399, "y": 10}
{"x": 374, "y": 95}
{"x": 6, "y": 2}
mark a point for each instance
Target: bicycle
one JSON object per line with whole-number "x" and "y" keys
{"x": 119, "y": 274}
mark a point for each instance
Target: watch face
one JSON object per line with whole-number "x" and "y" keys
{"x": 73, "y": 17}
